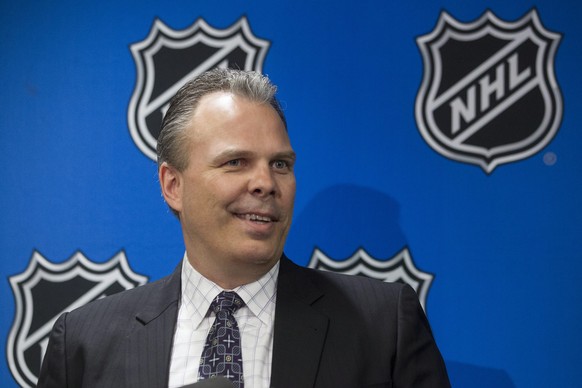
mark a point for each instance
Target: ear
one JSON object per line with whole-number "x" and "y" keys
{"x": 171, "y": 183}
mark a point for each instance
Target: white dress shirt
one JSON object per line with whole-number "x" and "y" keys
{"x": 255, "y": 321}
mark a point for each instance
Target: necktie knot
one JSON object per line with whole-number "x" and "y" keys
{"x": 227, "y": 301}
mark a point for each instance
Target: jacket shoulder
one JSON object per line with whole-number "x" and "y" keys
{"x": 128, "y": 303}
{"x": 334, "y": 279}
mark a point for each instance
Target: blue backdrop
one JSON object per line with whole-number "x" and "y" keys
{"x": 503, "y": 245}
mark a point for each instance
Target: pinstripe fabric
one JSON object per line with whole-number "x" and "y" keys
{"x": 330, "y": 331}
{"x": 336, "y": 330}
{"x": 120, "y": 341}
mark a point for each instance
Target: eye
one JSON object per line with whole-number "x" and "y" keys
{"x": 234, "y": 163}
{"x": 280, "y": 165}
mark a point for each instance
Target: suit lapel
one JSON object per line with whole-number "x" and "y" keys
{"x": 300, "y": 330}
{"x": 149, "y": 345}
{"x": 299, "y": 334}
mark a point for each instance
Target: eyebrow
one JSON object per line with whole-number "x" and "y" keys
{"x": 237, "y": 153}
{"x": 286, "y": 155}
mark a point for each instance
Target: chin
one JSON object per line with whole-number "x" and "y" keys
{"x": 259, "y": 255}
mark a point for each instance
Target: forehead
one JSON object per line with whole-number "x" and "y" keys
{"x": 219, "y": 105}
{"x": 224, "y": 117}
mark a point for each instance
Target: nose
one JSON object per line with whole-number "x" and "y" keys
{"x": 262, "y": 182}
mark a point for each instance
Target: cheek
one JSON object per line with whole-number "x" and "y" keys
{"x": 224, "y": 190}
{"x": 200, "y": 197}
{"x": 289, "y": 191}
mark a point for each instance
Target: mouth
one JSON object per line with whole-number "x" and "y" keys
{"x": 255, "y": 217}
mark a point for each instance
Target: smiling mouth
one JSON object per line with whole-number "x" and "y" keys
{"x": 256, "y": 218}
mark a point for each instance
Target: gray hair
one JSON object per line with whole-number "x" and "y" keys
{"x": 172, "y": 141}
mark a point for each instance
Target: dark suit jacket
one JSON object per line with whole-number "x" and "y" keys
{"x": 331, "y": 330}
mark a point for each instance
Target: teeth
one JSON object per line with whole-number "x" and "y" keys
{"x": 256, "y": 217}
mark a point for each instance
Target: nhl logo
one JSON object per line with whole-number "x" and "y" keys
{"x": 399, "y": 268}
{"x": 166, "y": 59}
{"x": 44, "y": 291}
{"x": 489, "y": 95}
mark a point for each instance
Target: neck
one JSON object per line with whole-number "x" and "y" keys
{"x": 231, "y": 276}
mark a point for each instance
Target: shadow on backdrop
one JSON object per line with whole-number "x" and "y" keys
{"x": 470, "y": 376}
{"x": 343, "y": 218}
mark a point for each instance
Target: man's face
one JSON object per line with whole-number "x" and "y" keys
{"x": 236, "y": 195}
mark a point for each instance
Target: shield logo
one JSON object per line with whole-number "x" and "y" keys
{"x": 489, "y": 95}
{"x": 44, "y": 291}
{"x": 399, "y": 268}
{"x": 166, "y": 59}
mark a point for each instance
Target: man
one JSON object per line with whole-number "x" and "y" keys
{"x": 225, "y": 167}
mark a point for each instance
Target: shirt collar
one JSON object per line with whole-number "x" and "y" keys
{"x": 198, "y": 293}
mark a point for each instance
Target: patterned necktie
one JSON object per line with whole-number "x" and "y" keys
{"x": 222, "y": 354}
